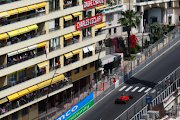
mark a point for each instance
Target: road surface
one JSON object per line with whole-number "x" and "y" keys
{"x": 137, "y": 85}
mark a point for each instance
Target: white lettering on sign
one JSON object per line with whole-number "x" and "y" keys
{"x": 92, "y": 3}
{"x": 68, "y": 113}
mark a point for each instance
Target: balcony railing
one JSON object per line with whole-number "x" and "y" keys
{"x": 13, "y": 62}
{"x": 71, "y": 43}
{"x": 34, "y": 95}
{"x": 87, "y": 55}
{"x": 6, "y": 22}
{"x": 87, "y": 37}
{"x": 54, "y": 67}
{"x": 28, "y": 37}
{"x": 54, "y": 9}
{"x": 67, "y": 24}
{"x": 99, "y": 33}
{"x": 70, "y": 61}
{"x": 65, "y": 6}
{"x": 54, "y": 48}
{"x": 54, "y": 29}
{"x": 7, "y": 1}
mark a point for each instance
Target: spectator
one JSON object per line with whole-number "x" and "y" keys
{"x": 3, "y": 110}
{"x": 89, "y": 33}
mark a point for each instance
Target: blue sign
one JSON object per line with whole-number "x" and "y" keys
{"x": 148, "y": 99}
{"x": 76, "y": 107}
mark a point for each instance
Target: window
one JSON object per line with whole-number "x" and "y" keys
{"x": 170, "y": 4}
{"x": 169, "y": 19}
{"x": 68, "y": 74}
{"x": 179, "y": 3}
{"x": 114, "y": 30}
{"x": 91, "y": 64}
{"x": 24, "y": 111}
{"x": 110, "y": 17}
{"x": 76, "y": 70}
{"x": 84, "y": 67}
{"x": 138, "y": 8}
{"x": 125, "y": 29}
{"x": 15, "y": 116}
{"x": 110, "y": 31}
{"x": 179, "y": 18}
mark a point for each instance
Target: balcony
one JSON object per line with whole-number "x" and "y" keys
{"x": 34, "y": 96}
{"x": 22, "y": 38}
{"x": 14, "y": 20}
{"x": 69, "y": 4}
{"x": 71, "y": 42}
{"x": 19, "y": 60}
{"x": 70, "y": 61}
{"x": 111, "y": 9}
{"x": 68, "y": 23}
{"x": 54, "y": 48}
{"x": 4, "y": 92}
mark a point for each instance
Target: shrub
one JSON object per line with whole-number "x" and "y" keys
{"x": 107, "y": 42}
{"x": 138, "y": 47}
{"x": 133, "y": 50}
{"x": 171, "y": 27}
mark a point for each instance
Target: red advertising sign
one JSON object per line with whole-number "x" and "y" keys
{"x": 92, "y": 3}
{"x": 89, "y": 21}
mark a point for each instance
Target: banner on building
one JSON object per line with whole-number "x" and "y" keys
{"x": 81, "y": 110}
{"x": 76, "y": 107}
{"x": 89, "y": 21}
{"x": 92, "y": 3}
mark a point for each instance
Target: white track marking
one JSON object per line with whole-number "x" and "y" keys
{"x": 153, "y": 91}
{"x": 141, "y": 89}
{"x": 147, "y": 90}
{"x": 129, "y": 88}
{"x": 122, "y": 88}
{"x": 135, "y": 89}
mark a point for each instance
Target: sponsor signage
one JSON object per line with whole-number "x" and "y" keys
{"x": 148, "y": 99}
{"x": 89, "y": 21}
{"x": 92, "y": 3}
{"x": 81, "y": 110}
{"x": 76, "y": 107}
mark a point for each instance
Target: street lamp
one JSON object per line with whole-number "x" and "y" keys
{"x": 143, "y": 32}
{"x": 48, "y": 91}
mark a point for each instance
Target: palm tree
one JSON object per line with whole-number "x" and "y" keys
{"x": 129, "y": 19}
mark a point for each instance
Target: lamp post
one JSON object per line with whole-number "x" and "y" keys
{"x": 48, "y": 92}
{"x": 143, "y": 33}
{"x": 98, "y": 63}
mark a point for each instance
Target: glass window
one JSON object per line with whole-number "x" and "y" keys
{"x": 169, "y": 19}
{"x": 114, "y": 30}
{"x": 24, "y": 111}
{"x": 84, "y": 67}
{"x": 15, "y": 116}
{"x": 110, "y": 31}
{"x": 68, "y": 74}
{"x": 92, "y": 64}
{"x": 170, "y": 4}
{"x": 179, "y": 18}
{"x": 76, "y": 70}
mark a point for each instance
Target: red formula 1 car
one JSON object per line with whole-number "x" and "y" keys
{"x": 123, "y": 99}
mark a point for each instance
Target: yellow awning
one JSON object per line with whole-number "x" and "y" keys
{"x": 23, "y": 50}
{"x": 42, "y": 44}
{"x": 101, "y": 6}
{"x": 13, "y": 33}
{"x": 33, "y": 27}
{"x": 33, "y": 88}
{"x": 23, "y": 9}
{"x": 76, "y": 33}
{"x": 76, "y": 51}
{"x": 4, "y": 14}
{"x": 68, "y": 55}
{"x": 23, "y": 92}
{"x": 68, "y": 17}
{"x": 13, "y": 96}
{"x": 40, "y": 5}
{"x": 23, "y": 30}
{"x": 3, "y": 100}
{"x": 42, "y": 64}
{"x": 76, "y": 14}
{"x": 58, "y": 78}
{"x": 68, "y": 36}
{"x": 12, "y": 12}
{"x": 44, "y": 84}
{"x": 4, "y": 36}
{"x": 101, "y": 25}
{"x": 32, "y": 7}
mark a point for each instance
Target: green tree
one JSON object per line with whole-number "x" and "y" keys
{"x": 129, "y": 19}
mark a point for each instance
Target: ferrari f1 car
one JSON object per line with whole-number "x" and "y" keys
{"x": 123, "y": 99}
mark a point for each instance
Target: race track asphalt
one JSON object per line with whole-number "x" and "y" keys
{"x": 148, "y": 77}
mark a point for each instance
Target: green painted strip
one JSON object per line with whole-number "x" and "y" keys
{"x": 81, "y": 110}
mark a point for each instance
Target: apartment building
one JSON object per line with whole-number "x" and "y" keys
{"x": 46, "y": 47}
{"x": 163, "y": 12}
